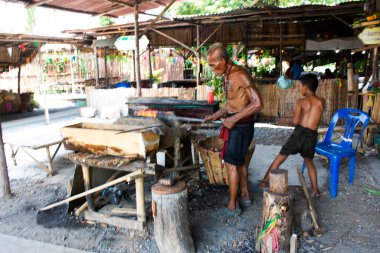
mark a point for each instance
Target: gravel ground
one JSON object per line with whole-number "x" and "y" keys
{"x": 352, "y": 219}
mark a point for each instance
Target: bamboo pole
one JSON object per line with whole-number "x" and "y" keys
{"x": 198, "y": 51}
{"x": 5, "y": 189}
{"x": 137, "y": 48}
{"x": 129, "y": 177}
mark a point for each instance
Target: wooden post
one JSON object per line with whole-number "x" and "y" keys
{"x": 140, "y": 199}
{"x": 87, "y": 186}
{"x": 171, "y": 220}
{"x": 105, "y": 68}
{"x": 150, "y": 66}
{"x": 72, "y": 74}
{"x": 137, "y": 49}
{"x": 96, "y": 67}
{"x": 198, "y": 58}
{"x": 5, "y": 189}
{"x": 277, "y": 204}
{"x": 293, "y": 243}
{"x": 280, "y": 70}
{"x": 375, "y": 68}
{"x": 42, "y": 84}
{"x": 19, "y": 79}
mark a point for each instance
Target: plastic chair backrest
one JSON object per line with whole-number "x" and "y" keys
{"x": 352, "y": 118}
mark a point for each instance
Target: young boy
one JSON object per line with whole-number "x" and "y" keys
{"x": 304, "y": 137}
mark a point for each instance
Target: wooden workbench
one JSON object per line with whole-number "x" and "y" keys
{"x": 88, "y": 161}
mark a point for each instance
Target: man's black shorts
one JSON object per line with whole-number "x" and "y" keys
{"x": 303, "y": 140}
{"x": 239, "y": 138}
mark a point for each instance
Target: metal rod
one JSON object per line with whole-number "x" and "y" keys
{"x": 137, "y": 129}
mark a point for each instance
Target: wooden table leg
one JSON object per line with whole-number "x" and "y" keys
{"x": 140, "y": 199}
{"x": 14, "y": 153}
{"x": 50, "y": 162}
{"x": 56, "y": 151}
{"x": 87, "y": 186}
{"x": 40, "y": 164}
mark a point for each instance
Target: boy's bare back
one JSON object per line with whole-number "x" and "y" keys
{"x": 309, "y": 111}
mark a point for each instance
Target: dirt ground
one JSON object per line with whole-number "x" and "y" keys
{"x": 352, "y": 218}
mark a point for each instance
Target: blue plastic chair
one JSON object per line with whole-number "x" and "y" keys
{"x": 335, "y": 151}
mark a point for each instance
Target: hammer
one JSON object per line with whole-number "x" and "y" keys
{"x": 317, "y": 230}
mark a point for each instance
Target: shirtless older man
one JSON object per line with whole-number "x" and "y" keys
{"x": 243, "y": 101}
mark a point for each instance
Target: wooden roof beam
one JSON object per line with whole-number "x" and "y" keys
{"x": 172, "y": 39}
{"x": 35, "y": 4}
{"x": 159, "y": 17}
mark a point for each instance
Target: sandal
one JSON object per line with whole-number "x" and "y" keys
{"x": 231, "y": 213}
{"x": 245, "y": 203}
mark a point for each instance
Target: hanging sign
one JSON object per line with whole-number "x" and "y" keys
{"x": 125, "y": 43}
{"x": 370, "y": 35}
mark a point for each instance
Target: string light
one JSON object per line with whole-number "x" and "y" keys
{"x": 318, "y": 53}
{"x": 337, "y": 50}
{"x": 363, "y": 52}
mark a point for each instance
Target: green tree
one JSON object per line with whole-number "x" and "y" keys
{"x": 106, "y": 21}
{"x": 191, "y": 7}
{"x": 30, "y": 20}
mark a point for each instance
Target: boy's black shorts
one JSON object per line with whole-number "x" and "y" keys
{"x": 239, "y": 138}
{"x": 303, "y": 140}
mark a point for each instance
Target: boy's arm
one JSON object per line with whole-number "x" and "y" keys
{"x": 297, "y": 115}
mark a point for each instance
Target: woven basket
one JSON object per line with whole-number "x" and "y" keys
{"x": 215, "y": 168}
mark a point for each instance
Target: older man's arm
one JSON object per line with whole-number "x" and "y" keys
{"x": 254, "y": 106}
{"x": 222, "y": 112}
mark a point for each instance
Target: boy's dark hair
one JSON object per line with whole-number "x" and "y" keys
{"x": 310, "y": 80}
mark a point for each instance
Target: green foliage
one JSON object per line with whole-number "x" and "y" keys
{"x": 106, "y": 21}
{"x": 189, "y": 7}
{"x": 218, "y": 86}
{"x": 373, "y": 191}
{"x": 157, "y": 75}
{"x": 30, "y": 19}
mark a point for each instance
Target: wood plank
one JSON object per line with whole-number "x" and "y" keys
{"x": 114, "y": 221}
{"x": 96, "y": 189}
{"x": 367, "y": 23}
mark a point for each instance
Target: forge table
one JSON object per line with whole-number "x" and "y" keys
{"x": 33, "y": 144}
{"x": 88, "y": 162}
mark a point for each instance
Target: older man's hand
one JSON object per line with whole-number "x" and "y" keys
{"x": 229, "y": 123}
{"x": 209, "y": 118}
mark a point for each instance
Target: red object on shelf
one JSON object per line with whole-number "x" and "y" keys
{"x": 210, "y": 95}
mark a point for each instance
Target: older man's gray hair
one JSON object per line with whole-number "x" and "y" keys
{"x": 220, "y": 49}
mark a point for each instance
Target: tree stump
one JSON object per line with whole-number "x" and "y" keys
{"x": 277, "y": 205}
{"x": 278, "y": 181}
{"x": 171, "y": 221}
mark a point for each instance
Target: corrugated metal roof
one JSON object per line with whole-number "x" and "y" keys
{"x": 96, "y": 7}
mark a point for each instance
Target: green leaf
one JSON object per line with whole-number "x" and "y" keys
{"x": 373, "y": 191}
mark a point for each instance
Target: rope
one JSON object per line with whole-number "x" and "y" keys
{"x": 270, "y": 228}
